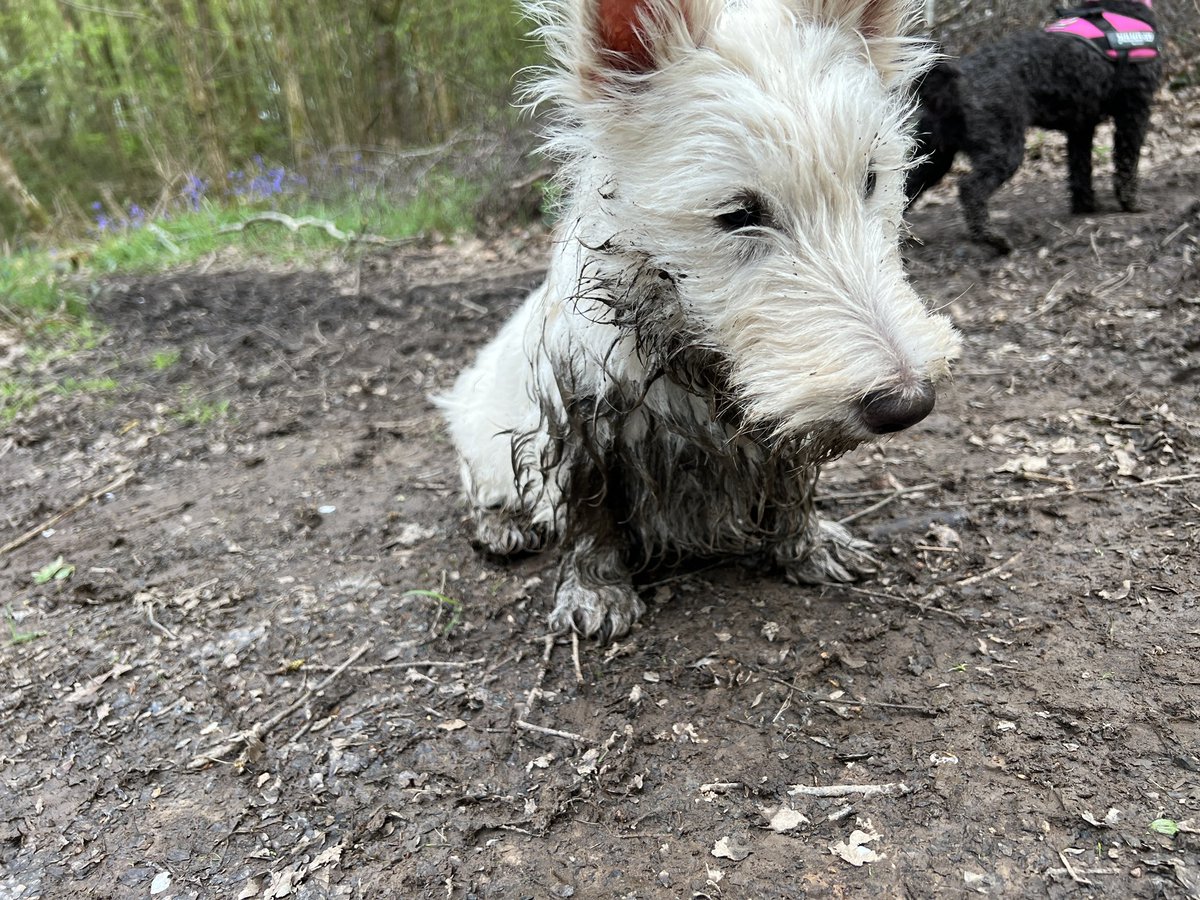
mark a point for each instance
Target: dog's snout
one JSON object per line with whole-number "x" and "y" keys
{"x": 886, "y": 411}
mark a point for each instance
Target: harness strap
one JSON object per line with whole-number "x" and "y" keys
{"x": 1118, "y": 38}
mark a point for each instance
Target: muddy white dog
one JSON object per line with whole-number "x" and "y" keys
{"x": 725, "y": 308}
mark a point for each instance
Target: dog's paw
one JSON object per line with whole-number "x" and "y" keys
{"x": 504, "y": 533}
{"x": 1081, "y": 207}
{"x": 605, "y": 611}
{"x": 995, "y": 240}
{"x": 837, "y": 555}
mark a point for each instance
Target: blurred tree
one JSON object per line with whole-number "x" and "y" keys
{"x": 30, "y": 208}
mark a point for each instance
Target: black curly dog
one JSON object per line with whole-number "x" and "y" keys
{"x": 1060, "y": 81}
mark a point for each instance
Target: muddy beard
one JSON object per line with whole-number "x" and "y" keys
{"x": 644, "y": 301}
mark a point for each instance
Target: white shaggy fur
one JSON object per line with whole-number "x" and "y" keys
{"x": 725, "y": 296}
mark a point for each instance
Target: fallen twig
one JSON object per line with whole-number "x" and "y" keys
{"x": 164, "y": 239}
{"x": 908, "y": 601}
{"x": 536, "y": 690}
{"x": 848, "y": 790}
{"x": 1052, "y": 298}
{"x": 1111, "y": 284}
{"x": 893, "y": 496}
{"x": 1075, "y": 876}
{"x": 552, "y": 732}
{"x": 575, "y": 657}
{"x": 255, "y": 735}
{"x": 1107, "y": 489}
{"x": 22, "y": 540}
{"x": 884, "y": 492}
{"x": 720, "y": 787}
{"x": 848, "y": 701}
{"x": 294, "y": 225}
{"x": 990, "y": 572}
{"x": 154, "y": 623}
{"x": 383, "y": 667}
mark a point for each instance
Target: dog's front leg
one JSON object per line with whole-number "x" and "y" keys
{"x": 826, "y": 552}
{"x": 1129, "y": 132}
{"x": 595, "y": 595}
{"x": 1079, "y": 169}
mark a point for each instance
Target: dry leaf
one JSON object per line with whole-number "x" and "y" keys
{"x": 855, "y": 850}
{"x": 728, "y": 848}
{"x": 786, "y": 819}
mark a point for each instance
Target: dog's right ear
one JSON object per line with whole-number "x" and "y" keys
{"x": 624, "y": 39}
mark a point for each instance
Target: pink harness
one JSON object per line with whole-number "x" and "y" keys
{"x": 1116, "y": 37}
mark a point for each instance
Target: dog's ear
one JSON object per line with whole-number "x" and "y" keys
{"x": 884, "y": 26}
{"x": 870, "y": 18}
{"x": 637, "y": 37}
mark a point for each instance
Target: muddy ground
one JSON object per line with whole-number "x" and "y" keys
{"x": 236, "y": 694}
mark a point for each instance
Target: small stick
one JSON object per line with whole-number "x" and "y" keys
{"x": 1075, "y": 876}
{"x": 1107, "y": 489}
{"x": 157, "y": 624}
{"x": 990, "y": 572}
{"x": 866, "y": 511}
{"x": 720, "y": 786}
{"x": 1051, "y": 299}
{"x": 790, "y": 685}
{"x": 79, "y": 504}
{"x": 294, "y": 225}
{"x": 847, "y": 790}
{"x": 862, "y": 495}
{"x": 917, "y": 604}
{"x": 536, "y": 690}
{"x": 382, "y": 667}
{"x": 552, "y": 732}
{"x": 575, "y": 657}
{"x": 882, "y": 704}
{"x": 261, "y": 730}
{"x": 1116, "y": 281}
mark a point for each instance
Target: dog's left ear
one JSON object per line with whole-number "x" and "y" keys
{"x": 885, "y": 26}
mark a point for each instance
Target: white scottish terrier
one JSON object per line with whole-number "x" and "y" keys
{"x": 726, "y": 306}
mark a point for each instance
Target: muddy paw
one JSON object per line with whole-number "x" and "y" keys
{"x": 505, "y": 533}
{"x": 605, "y": 611}
{"x": 837, "y": 556}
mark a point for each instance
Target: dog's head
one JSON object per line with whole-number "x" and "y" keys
{"x": 752, "y": 155}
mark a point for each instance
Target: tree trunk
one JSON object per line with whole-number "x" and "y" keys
{"x": 287, "y": 74}
{"x": 200, "y": 95}
{"x": 11, "y": 184}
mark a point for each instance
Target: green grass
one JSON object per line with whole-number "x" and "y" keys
{"x": 16, "y": 637}
{"x": 20, "y": 393}
{"x": 16, "y": 396}
{"x": 162, "y": 360}
{"x": 445, "y": 206}
{"x": 38, "y": 287}
{"x": 41, "y": 297}
{"x": 31, "y": 285}
{"x": 70, "y": 386}
{"x": 202, "y": 412}
{"x": 456, "y": 607}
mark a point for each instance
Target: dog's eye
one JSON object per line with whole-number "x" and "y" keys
{"x": 747, "y": 211}
{"x": 869, "y": 189}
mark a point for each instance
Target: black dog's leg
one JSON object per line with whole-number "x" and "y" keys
{"x": 1079, "y": 168}
{"x": 1130, "y": 126}
{"x": 927, "y": 173}
{"x": 989, "y": 170}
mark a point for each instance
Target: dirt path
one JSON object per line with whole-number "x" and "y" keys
{"x": 178, "y": 718}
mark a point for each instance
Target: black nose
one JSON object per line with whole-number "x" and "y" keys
{"x": 894, "y": 410}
